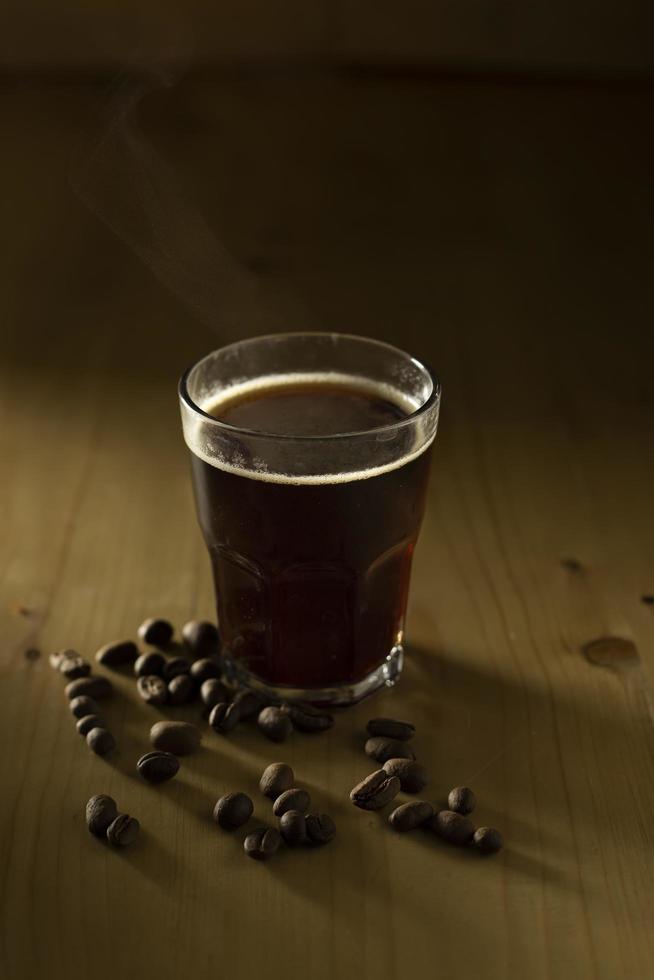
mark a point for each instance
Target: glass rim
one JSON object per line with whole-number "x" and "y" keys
{"x": 434, "y": 395}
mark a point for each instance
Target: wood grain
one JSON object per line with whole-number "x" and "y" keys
{"x": 502, "y": 233}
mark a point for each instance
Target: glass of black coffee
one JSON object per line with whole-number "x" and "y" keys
{"x": 310, "y": 455}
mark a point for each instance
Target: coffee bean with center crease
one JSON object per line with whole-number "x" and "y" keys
{"x": 156, "y": 632}
{"x": 320, "y": 828}
{"x": 249, "y": 703}
{"x": 462, "y": 800}
{"x": 452, "y": 827}
{"x": 100, "y": 741}
{"x": 83, "y": 706}
{"x": 178, "y": 737}
{"x": 306, "y": 718}
{"x": 205, "y": 669}
{"x": 152, "y": 689}
{"x": 117, "y": 653}
{"x": 233, "y": 810}
{"x": 262, "y": 843}
{"x": 100, "y": 812}
{"x": 390, "y": 728}
{"x": 487, "y": 840}
{"x": 91, "y": 687}
{"x": 408, "y": 816}
{"x": 175, "y": 667}
{"x": 276, "y": 779}
{"x": 74, "y": 666}
{"x": 382, "y": 749}
{"x": 150, "y": 664}
{"x": 123, "y": 831}
{"x": 375, "y": 791}
{"x": 293, "y": 827}
{"x": 413, "y": 777}
{"x": 157, "y": 767}
{"x": 213, "y": 692}
{"x": 201, "y": 638}
{"x": 274, "y": 724}
{"x": 292, "y": 799}
{"x": 181, "y": 689}
{"x": 224, "y": 717}
{"x": 84, "y": 725}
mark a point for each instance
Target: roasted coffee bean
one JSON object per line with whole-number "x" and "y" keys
{"x": 249, "y": 703}
{"x": 181, "y": 689}
{"x": 306, "y": 718}
{"x": 233, "y": 810}
{"x": 413, "y": 777}
{"x": 292, "y": 799}
{"x": 293, "y": 827}
{"x": 224, "y": 717}
{"x": 204, "y": 669}
{"x": 85, "y": 724}
{"x": 375, "y": 791}
{"x": 56, "y": 658}
{"x": 117, "y": 653}
{"x": 157, "y": 767}
{"x": 150, "y": 664}
{"x": 390, "y": 728}
{"x": 462, "y": 800}
{"x": 156, "y": 632}
{"x": 213, "y": 692}
{"x": 408, "y": 816}
{"x": 100, "y": 741}
{"x": 276, "y": 779}
{"x": 178, "y": 737}
{"x": 83, "y": 706}
{"x": 152, "y": 689}
{"x": 100, "y": 812}
{"x": 262, "y": 843}
{"x": 452, "y": 827}
{"x": 201, "y": 638}
{"x": 487, "y": 840}
{"x": 320, "y": 828}
{"x": 175, "y": 667}
{"x": 91, "y": 687}
{"x": 74, "y": 666}
{"x": 382, "y": 749}
{"x": 274, "y": 724}
{"x": 123, "y": 831}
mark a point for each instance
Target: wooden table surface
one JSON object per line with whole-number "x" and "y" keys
{"x": 503, "y": 233}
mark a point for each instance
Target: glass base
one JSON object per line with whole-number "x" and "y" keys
{"x": 385, "y": 675}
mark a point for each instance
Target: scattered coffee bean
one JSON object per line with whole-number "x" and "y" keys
{"x": 413, "y": 777}
{"x": 204, "y": 669}
{"x": 382, "y": 749}
{"x": 74, "y": 666}
{"x": 224, "y": 717}
{"x": 320, "y": 828}
{"x": 91, "y": 687}
{"x": 262, "y": 843}
{"x": 175, "y": 667}
{"x": 100, "y": 741}
{"x": 149, "y": 664}
{"x": 181, "y": 689}
{"x": 408, "y": 816}
{"x": 152, "y": 689}
{"x": 100, "y": 812}
{"x": 201, "y": 638}
{"x": 293, "y": 827}
{"x": 292, "y": 799}
{"x": 274, "y": 724}
{"x": 462, "y": 800}
{"x": 123, "y": 831}
{"x": 118, "y": 653}
{"x": 249, "y": 703}
{"x": 85, "y": 724}
{"x": 452, "y": 827}
{"x": 375, "y": 791}
{"x": 156, "y": 632}
{"x": 157, "y": 767}
{"x": 213, "y": 692}
{"x": 487, "y": 840}
{"x": 56, "y": 658}
{"x": 390, "y": 728}
{"x": 178, "y": 737}
{"x": 233, "y": 810}
{"x": 306, "y": 718}
{"x": 276, "y": 779}
{"x": 83, "y": 706}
